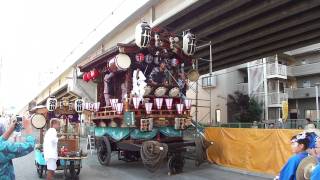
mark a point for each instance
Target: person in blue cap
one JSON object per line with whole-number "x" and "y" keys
{"x": 299, "y": 144}
{"x": 10, "y": 150}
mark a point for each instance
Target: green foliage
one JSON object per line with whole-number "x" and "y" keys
{"x": 244, "y": 108}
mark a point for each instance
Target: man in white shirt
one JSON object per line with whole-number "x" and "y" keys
{"x": 50, "y": 147}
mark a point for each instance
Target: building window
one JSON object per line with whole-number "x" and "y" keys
{"x": 312, "y": 114}
{"x": 209, "y": 81}
{"x": 218, "y": 115}
{"x": 306, "y": 83}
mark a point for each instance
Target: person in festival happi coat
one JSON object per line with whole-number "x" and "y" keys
{"x": 299, "y": 144}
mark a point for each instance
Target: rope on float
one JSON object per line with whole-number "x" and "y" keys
{"x": 152, "y": 154}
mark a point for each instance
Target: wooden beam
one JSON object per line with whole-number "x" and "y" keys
{"x": 262, "y": 32}
{"x": 199, "y": 17}
{"x": 293, "y": 8}
{"x": 240, "y": 16}
{"x": 284, "y": 34}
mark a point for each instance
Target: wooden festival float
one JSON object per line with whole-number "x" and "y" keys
{"x": 69, "y": 151}
{"x": 144, "y": 110}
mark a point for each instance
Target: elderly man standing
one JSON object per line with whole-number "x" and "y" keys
{"x": 10, "y": 150}
{"x": 50, "y": 147}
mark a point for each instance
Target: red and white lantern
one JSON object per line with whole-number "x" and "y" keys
{"x": 136, "y": 102}
{"x": 148, "y": 107}
{"x": 187, "y": 102}
{"x": 169, "y": 103}
{"x": 179, "y": 108}
{"x": 113, "y": 103}
{"x": 158, "y": 102}
{"x": 140, "y": 57}
{"x": 119, "y": 107}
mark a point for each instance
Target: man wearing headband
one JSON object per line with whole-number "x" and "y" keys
{"x": 299, "y": 144}
{"x": 10, "y": 150}
{"x": 50, "y": 147}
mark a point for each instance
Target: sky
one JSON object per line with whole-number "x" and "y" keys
{"x": 40, "y": 38}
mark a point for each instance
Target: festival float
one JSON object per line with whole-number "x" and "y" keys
{"x": 69, "y": 151}
{"x": 142, "y": 92}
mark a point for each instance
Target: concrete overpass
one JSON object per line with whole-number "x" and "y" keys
{"x": 244, "y": 30}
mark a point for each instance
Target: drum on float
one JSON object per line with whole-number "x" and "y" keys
{"x": 160, "y": 91}
{"x": 174, "y": 92}
{"x": 120, "y": 62}
{"x": 147, "y": 90}
{"x": 38, "y": 121}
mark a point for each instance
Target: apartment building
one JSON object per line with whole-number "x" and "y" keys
{"x": 292, "y": 76}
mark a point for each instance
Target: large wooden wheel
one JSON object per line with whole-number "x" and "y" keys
{"x": 104, "y": 152}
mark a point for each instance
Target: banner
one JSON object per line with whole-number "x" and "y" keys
{"x": 257, "y": 150}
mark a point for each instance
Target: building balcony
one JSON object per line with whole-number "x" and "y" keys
{"x": 242, "y": 87}
{"x": 301, "y": 93}
{"x": 303, "y": 70}
{"x": 275, "y": 99}
{"x": 275, "y": 70}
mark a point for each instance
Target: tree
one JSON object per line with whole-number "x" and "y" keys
{"x": 244, "y": 108}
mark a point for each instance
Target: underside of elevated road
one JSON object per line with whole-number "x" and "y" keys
{"x": 244, "y": 30}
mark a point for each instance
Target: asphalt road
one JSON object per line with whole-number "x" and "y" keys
{"x": 118, "y": 170}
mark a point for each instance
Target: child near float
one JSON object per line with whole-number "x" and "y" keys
{"x": 299, "y": 145}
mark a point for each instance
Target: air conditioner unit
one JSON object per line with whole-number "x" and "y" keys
{"x": 209, "y": 81}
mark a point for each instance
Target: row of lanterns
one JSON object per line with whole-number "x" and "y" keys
{"x": 143, "y": 38}
{"x": 79, "y": 105}
{"x": 91, "y": 75}
{"x": 118, "y": 106}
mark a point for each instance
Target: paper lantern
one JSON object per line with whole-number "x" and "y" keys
{"x": 113, "y": 103}
{"x": 169, "y": 103}
{"x": 84, "y": 77}
{"x": 148, "y": 107}
{"x": 140, "y": 57}
{"x": 189, "y": 44}
{"x": 159, "y": 102}
{"x": 179, "y": 108}
{"x": 88, "y": 75}
{"x": 136, "y": 102}
{"x": 174, "y": 62}
{"x": 119, "y": 107}
{"x": 97, "y": 106}
{"x": 79, "y": 105}
{"x": 51, "y": 103}
{"x": 187, "y": 102}
{"x": 143, "y": 34}
{"x": 94, "y": 73}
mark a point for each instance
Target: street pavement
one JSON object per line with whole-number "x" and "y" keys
{"x": 119, "y": 170}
